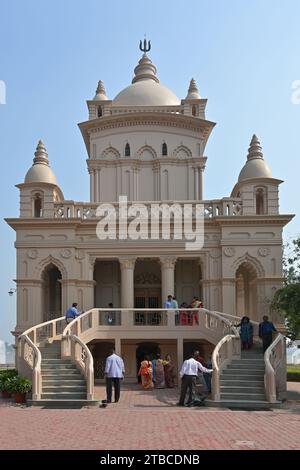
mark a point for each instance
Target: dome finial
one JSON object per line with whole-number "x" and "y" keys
{"x": 41, "y": 155}
{"x": 145, "y": 70}
{"x": 255, "y": 150}
{"x": 100, "y": 92}
{"x": 145, "y": 48}
{"x": 193, "y": 92}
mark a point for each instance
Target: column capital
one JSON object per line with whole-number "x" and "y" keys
{"x": 127, "y": 263}
{"x": 168, "y": 262}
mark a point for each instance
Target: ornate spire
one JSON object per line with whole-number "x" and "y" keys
{"x": 100, "y": 92}
{"x": 41, "y": 155}
{"x": 193, "y": 92}
{"x": 145, "y": 70}
{"x": 255, "y": 150}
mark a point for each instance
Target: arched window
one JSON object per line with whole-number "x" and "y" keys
{"x": 194, "y": 110}
{"x": 260, "y": 201}
{"x": 37, "y": 205}
{"x": 99, "y": 112}
{"x": 164, "y": 149}
{"x": 127, "y": 150}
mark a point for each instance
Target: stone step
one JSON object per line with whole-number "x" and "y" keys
{"x": 63, "y": 403}
{"x": 64, "y": 388}
{"x": 243, "y": 396}
{"x": 61, "y": 373}
{"x": 55, "y": 361}
{"x": 237, "y": 372}
{"x": 63, "y": 396}
{"x": 247, "y": 365}
{"x": 243, "y": 404}
{"x": 242, "y": 383}
{"x": 52, "y": 356}
{"x": 58, "y": 366}
{"x": 64, "y": 382}
{"x": 239, "y": 389}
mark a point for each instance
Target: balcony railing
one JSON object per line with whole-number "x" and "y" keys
{"x": 226, "y": 207}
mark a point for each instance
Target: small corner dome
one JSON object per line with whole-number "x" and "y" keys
{"x": 255, "y": 166}
{"x": 146, "y": 93}
{"x": 255, "y": 169}
{"x": 40, "y": 173}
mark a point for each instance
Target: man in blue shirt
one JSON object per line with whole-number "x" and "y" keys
{"x": 266, "y": 329}
{"x": 114, "y": 373}
{"x": 72, "y": 313}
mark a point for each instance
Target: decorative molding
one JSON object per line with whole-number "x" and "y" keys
{"x": 168, "y": 262}
{"x": 32, "y": 254}
{"x": 66, "y": 253}
{"x": 229, "y": 251}
{"x": 147, "y": 278}
{"x": 80, "y": 254}
{"x": 263, "y": 251}
{"x": 215, "y": 253}
{"x": 127, "y": 263}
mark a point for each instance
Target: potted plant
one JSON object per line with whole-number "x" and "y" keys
{"x": 5, "y": 377}
{"x": 19, "y": 386}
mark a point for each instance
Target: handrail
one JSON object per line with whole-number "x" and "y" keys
{"x": 87, "y": 366}
{"x": 272, "y": 371}
{"x": 36, "y": 365}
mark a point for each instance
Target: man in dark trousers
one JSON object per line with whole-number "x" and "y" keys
{"x": 114, "y": 373}
{"x": 265, "y": 332}
{"x": 189, "y": 372}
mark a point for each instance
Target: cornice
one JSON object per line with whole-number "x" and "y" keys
{"x": 129, "y": 120}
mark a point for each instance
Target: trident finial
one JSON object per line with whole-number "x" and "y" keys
{"x": 145, "y": 48}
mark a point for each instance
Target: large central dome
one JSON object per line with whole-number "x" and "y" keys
{"x": 145, "y": 89}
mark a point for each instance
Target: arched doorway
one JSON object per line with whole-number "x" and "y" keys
{"x": 100, "y": 351}
{"x": 246, "y": 291}
{"x": 51, "y": 293}
{"x": 145, "y": 349}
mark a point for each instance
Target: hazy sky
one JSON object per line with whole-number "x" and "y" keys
{"x": 244, "y": 55}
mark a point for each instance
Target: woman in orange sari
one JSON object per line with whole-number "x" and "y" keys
{"x": 146, "y": 374}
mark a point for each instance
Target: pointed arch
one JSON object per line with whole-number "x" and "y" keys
{"x": 147, "y": 151}
{"x": 50, "y": 260}
{"x": 251, "y": 261}
{"x": 110, "y": 153}
{"x": 182, "y": 152}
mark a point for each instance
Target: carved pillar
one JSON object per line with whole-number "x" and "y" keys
{"x": 127, "y": 282}
{"x": 167, "y": 276}
{"x": 201, "y": 170}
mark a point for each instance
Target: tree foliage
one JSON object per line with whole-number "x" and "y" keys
{"x": 287, "y": 299}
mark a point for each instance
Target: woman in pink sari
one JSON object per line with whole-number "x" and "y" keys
{"x": 169, "y": 371}
{"x": 146, "y": 374}
{"x": 159, "y": 372}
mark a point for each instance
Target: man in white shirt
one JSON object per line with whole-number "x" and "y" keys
{"x": 189, "y": 372}
{"x": 114, "y": 373}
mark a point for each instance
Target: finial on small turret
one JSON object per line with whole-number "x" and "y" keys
{"x": 41, "y": 155}
{"x": 255, "y": 150}
{"x": 100, "y": 88}
{"x": 145, "y": 48}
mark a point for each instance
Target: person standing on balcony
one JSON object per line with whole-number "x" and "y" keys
{"x": 114, "y": 373}
{"x": 169, "y": 302}
{"x": 265, "y": 332}
{"x": 72, "y": 313}
{"x": 109, "y": 316}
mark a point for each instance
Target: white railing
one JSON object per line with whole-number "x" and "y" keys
{"x": 227, "y": 349}
{"x": 275, "y": 371}
{"x": 214, "y": 208}
{"x": 81, "y": 356}
{"x": 28, "y": 354}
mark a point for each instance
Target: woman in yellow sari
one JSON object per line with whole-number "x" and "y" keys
{"x": 146, "y": 374}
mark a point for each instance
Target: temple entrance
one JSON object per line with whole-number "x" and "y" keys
{"x": 143, "y": 350}
{"x": 51, "y": 293}
{"x": 100, "y": 351}
{"x": 246, "y": 291}
{"x": 147, "y": 291}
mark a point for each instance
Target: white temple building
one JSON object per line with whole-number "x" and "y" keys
{"x": 148, "y": 145}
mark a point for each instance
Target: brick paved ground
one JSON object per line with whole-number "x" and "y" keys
{"x": 150, "y": 420}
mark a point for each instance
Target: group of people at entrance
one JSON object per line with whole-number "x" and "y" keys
{"x": 184, "y": 317}
{"x": 157, "y": 373}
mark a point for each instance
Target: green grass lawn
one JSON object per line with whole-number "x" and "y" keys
{"x": 293, "y": 373}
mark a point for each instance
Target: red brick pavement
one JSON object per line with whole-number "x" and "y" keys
{"x": 147, "y": 420}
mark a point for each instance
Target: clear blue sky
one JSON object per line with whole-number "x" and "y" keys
{"x": 244, "y": 55}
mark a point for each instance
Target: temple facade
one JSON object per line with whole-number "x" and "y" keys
{"x": 146, "y": 146}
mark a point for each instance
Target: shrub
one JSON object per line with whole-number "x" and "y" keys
{"x": 19, "y": 384}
